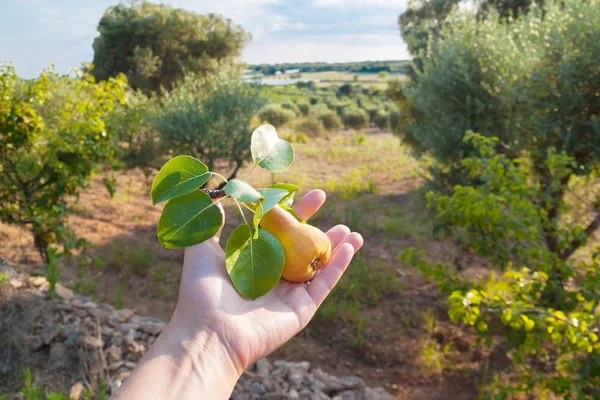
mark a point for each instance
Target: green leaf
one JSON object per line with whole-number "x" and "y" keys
{"x": 254, "y": 265}
{"x": 269, "y": 151}
{"x": 242, "y": 191}
{"x": 270, "y": 199}
{"x": 289, "y": 199}
{"x": 179, "y": 176}
{"x": 188, "y": 220}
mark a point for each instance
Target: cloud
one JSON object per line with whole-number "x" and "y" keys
{"x": 35, "y": 32}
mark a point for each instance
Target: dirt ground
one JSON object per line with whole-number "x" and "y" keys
{"x": 385, "y": 323}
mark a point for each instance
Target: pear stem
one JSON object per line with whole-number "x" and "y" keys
{"x": 237, "y": 203}
{"x": 215, "y": 194}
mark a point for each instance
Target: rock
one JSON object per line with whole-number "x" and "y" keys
{"x": 123, "y": 375}
{"x": 63, "y": 292}
{"x": 114, "y": 386}
{"x": 49, "y": 333}
{"x": 58, "y": 353}
{"x": 377, "y": 394}
{"x": 113, "y": 353}
{"x": 263, "y": 367}
{"x": 296, "y": 378}
{"x": 257, "y": 388}
{"x": 130, "y": 365}
{"x": 355, "y": 381}
{"x": 107, "y": 330}
{"x": 318, "y": 395}
{"x": 152, "y": 327}
{"x": 274, "y": 396}
{"x": 15, "y": 283}
{"x": 122, "y": 315}
{"x": 293, "y": 394}
{"x": 91, "y": 341}
{"x": 347, "y": 395}
{"x": 126, "y": 327}
{"x": 38, "y": 281}
{"x": 115, "y": 365}
{"x": 76, "y": 391}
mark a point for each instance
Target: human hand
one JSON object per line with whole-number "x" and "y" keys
{"x": 215, "y": 333}
{"x": 252, "y": 329}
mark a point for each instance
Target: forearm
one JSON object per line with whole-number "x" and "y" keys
{"x": 182, "y": 365}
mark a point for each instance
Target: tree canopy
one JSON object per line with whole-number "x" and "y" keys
{"x": 154, "y": 44}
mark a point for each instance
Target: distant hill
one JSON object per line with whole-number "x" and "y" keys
{"x": 392, "y": 66}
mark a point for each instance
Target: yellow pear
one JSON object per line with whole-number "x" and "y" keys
{"x": 306, "y": 248}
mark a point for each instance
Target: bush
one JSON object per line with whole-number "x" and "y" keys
{"x": 52, "y": 139}
{"x": 313, "y": 127}
{"x": 303, "y": 106}
{"x": 329, "y": 118}
{"x": 209, "y": 118}
{"x": 546, "y": 302}
{"x": 314, "y": 100}
{"x": 290, "y": 105}
{"x": 382, "y": 119}
{"x": 276, "y": 115}
{"x": 355, "y": 118}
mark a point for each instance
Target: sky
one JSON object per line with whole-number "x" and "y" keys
{"x": 34, "y": 33}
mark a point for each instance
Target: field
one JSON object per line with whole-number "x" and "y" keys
{"x": 329, "y": 78}
{"x": 384, "y": 322}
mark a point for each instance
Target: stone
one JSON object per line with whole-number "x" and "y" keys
{"x": 63, "y": 292}
{"x": 123, "y": 375}
{"x": 58, "y": 352}
{"x": 296, "y": 378}
{"x": 126, "y": 327}
{"x": 76, "y": 391}
{"x": 15, "y": 283}
{"x": 113, "y": 353}
{"x": 50, "y": 332}
{"x": 130, "y": 365}
{"x": 91, "y": 341}
{"x": 319, "y": 395}
{"x": 377, "y": 394}
{"x": 355, "y": 381}
{"x": 114, "y": 386}
{"x": 263, "y": 367}
{"x": 38, "y": 281}
{"x": 115, "y": 365}
{"x": 122, "y": 315}
{"x": 273, "y": 396}
{"x": 347, "y": 395}
{"x": 107, "y": 330}
{"x": 257, "y": 388}
{"x": 152, "y": 327}
{"x": 293, "y": 394}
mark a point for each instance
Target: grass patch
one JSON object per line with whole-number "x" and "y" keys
{"x": 131, "y": 258}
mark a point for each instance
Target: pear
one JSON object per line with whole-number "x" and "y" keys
{"x": 306, "y": 248}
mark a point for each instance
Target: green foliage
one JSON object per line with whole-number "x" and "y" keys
{"x": 52, "y": 139}
{"x": 355, "y": 118}
{"x": 276, "y": 115}
{"x": 254, "y": 258}
{"x": 155, "y": 45}
{"x": 303, "y": 106}
{"x": 311, "y": 126}
{"x": 382, "y": 119}
{"x": 506, "y": 80}
{"x": 330, "y": 119}
{"x": 209, "y": 118}
{"x": 547, "y": 300}
{"x": 287, "y": 104}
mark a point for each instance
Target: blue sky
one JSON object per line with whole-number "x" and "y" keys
{"x": 36, "y": 32}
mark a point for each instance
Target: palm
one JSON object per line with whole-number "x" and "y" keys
{"x": 253, "y": 329}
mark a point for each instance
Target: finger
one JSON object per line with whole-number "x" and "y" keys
{"x": 309, "y": 204}
{"x": 337, "y": 234}
{"x": 327, "y": 277}
{"x": 354, "y": 238}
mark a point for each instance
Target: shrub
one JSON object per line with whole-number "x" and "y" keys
{"x": 303, "y": 106}
{"x": 382, "y": 119}
{"x": 547, "y": 301}
{"x": 209, "y": 118}
{"x": 355, "y": 118}
{"x": 346, "y": 89}
{"x": 52, "y": 139}
{"x": 330, "y": 119}
{"x": 290, "y": 105}
{"x": 313, "y": 127}
{"x": 314, "y": 100}
{"x": 276, "y": 115}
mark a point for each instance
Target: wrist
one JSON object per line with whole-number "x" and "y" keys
{"x": 202, "y": 357}
{"x": 183, "y": 363}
